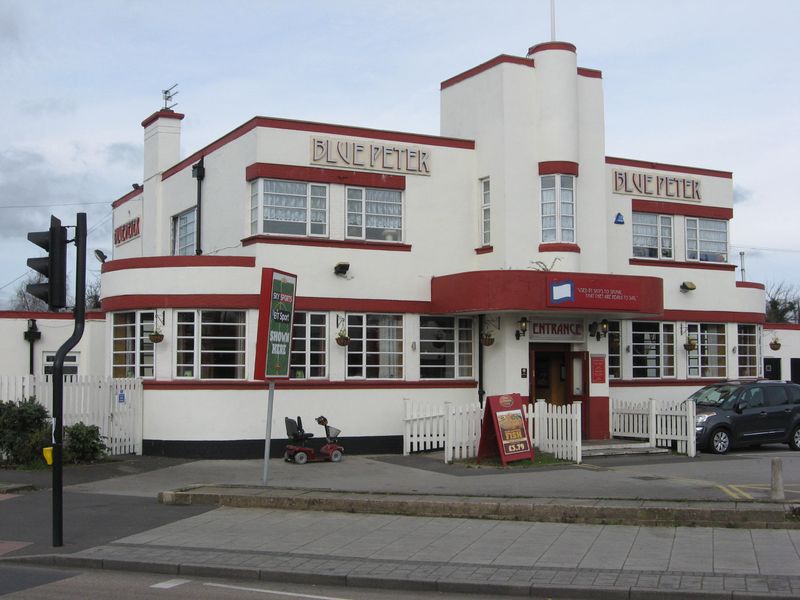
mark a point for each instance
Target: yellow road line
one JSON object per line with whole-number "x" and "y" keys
{"x": 728, "y": 491}
{"x": 740, "y": 491}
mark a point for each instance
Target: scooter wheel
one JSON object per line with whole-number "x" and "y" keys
{"x": 336, "y": 456}
{"x": 300, "y": 458}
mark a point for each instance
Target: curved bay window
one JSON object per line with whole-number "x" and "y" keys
{"x": 132, "y": 353}
{"x": 211, "y": 344}
{"x": 558, "y": 208}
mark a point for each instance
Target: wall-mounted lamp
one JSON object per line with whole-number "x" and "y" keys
{"x": 598, "y": 330}
{"x": 31, "y": 335}
{"x": 341, "y": 268}
{"x": 522, "y": 327}
{"x": 101, "y": 256}
{"x": 688, "y": 286}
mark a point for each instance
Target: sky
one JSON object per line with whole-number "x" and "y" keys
{"x": 705, "y": 83}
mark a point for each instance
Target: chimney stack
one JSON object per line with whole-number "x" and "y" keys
{"x": 162, "y": 141}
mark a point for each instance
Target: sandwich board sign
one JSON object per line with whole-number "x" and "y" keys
{"x": 504, "y": 431}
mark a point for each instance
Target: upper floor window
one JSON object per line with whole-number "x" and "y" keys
{"x": 132, "y": 352}
{"x": 652, "y": 235}
{"x": 445, "y": 347}
{"x": 558, "y": 208}
{"x": 183, "y": 233}
{"x": 376, "y": 346}
{"x": 211, "y": 344}
{"x": 653, "y": 348}
{"x": 288, "y": 207}
{"x": 708, "y": 356}
{"x": 309, "y": 342}
{"x": 486, "y": 213}
{"x": 374, "y": 214}
{"x": 706, "y": 240}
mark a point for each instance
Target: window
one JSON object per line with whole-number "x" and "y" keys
{"x": 707, "y": 240}
{"x": 309, "y": 346}
{"x": 653, "y": 348}
{"x": 70, "y": 363}
{"x": 614, "y": 355}
{"x": 445, "y": 347}
{"x": 486, "y": 213}
{"x": 775, "y": 395}
{"x": 374, "y": 214}
{"x": 288, "y": 208}
{"x": 132, "y": 352}
{"x": 747, "y": 350}
{"x": 183, "y": 233}
{"x": 652, "y": 235}
{"x": 708, "y": 359}
{"x": 376, "y": 346}
{"x": 210, "y": 343}
{"x": 558, "y": 208}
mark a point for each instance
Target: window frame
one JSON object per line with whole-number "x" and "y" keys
{"x": 198, "y": 350}
{"x": 485, "y": 212}
{"x": 660, "y": 246}
{"x": 308, "y": 340}
{"x": 175, "y": 237}
{"x": 462, "y": 353}
{"x": 364, "y": 353}
{"x": 701, "y": 352}
{"x": 615, "y": 366}
{"x": 72, "y": 363}
{"x": 558, "y": 214}
{"x": 142, "y": 346}
{"x": 665, "y": 349}
{"x": 694, "y": 224}
{"x": 401, "y": 232}
{"x": 751, "y": 343}
{"x": 258, "y": 200}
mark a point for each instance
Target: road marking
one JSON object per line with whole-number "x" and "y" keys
{"x": 729, "y": 491}
{"x": 276, "y": 592}
{"x": 170, "y": 583}
{"x": 740, "y": 491}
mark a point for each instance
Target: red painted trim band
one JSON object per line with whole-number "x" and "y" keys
{"x": 556, "y": 247}
{"x": 149, "y": 301}
{"x": 675, "y": 208}
{"x": 326, "y": 243}
{"x": 552, "y": 46}
{"x": 320, "y": 175}
{"x": 292, "y": 125}
{"x": 558, "y": 167}
{"x": 497, "y": 60}
{"x": 713, "y": 316}
{"x": 628, "y": 162}
{"x": 61, "y": 316}
{"x": 662, "y": 382}
{"x": 157, "y": 262}
{"x": 306, "y": 384}
{"x": 782, "y": 326}
{"x": 593, "y": 73}
{"x": 751, "y": 284}
{"x": 129, "y": 196}
{"x": 484, "y": 250}
{"x": 378, "y": 305}
{"x": 162, "y": 114}
{"x": 654, "y": 262}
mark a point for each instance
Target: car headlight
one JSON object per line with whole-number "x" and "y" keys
{"x": 701, "y": 419}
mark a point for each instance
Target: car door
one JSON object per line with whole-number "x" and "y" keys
{"x": 779, "y": 412}
{"x": 750, "y": 424}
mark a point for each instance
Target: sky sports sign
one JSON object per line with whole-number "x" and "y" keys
{"x": 276, "y": 315}
{"x": 594, "y": 292}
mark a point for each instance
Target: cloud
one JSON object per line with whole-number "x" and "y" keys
{"x": 10, "y": 27}
{"x": 48, "y": 106}
{"x": 741, "y": 194}
{"x": 124, "y": 153}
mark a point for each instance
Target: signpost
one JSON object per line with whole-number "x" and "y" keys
{"x": 504, "y": 430}
{"x": 276, "y": 315}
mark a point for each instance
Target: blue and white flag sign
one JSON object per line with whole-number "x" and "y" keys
{"x": 562, "y": 291}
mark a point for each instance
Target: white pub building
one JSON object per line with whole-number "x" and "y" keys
{"x": 508, "y": 254}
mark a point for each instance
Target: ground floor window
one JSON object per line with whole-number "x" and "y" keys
{"x": 445, "y": 347}
{"x": 375, "y": 350}
{"x": 748, "y": 350}
{"x": 707, "y": 356}
{"x": 132, "y": 352}
{"x": 309, "y": 346}
{"x": 653, "y": 348}
{"x": 70, "y": 363}
{"x": 614, "y": 355}
{"x": 211, "y": 344}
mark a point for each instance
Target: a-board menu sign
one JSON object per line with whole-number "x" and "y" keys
{"x": 504, "y": 431}
{"x": 276, "y": 315}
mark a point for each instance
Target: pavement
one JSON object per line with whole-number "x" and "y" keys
{"x": 415, "y": 523}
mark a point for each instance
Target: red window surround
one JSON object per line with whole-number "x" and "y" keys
{"x": 320, "y": 175}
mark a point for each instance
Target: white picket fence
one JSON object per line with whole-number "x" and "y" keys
{"x": 114, "y": 405}
{"x": 661, "y": 422}
{"x": 456, "y": 428}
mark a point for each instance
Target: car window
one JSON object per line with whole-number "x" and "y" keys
{"x": 753, "y": 398}
{"x": 774, "y": 395}
{"x": 794, "y": 393}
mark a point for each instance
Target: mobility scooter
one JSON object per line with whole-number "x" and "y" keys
{"x": 298, "y": 452}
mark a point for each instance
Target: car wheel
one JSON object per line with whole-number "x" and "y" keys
{"x": 794, "y": 439}
{"x": 300, "y": 458}
{"x": 336, "y": 456}
{"x": 720, "y": 441}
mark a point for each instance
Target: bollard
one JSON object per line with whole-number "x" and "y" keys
{"x": 776, "y": 493}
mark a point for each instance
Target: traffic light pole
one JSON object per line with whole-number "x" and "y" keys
{"x": 58, "y": 378}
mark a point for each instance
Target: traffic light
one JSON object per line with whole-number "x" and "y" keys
{"x": 53, "y": 266}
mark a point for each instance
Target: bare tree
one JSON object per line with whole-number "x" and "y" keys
{"x": 93, "y": 294}
{"x": 783, "y": 303}
{"x": 22, "y": 300}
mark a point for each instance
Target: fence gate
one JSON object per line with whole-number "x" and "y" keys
{"x": 114, "y": 405}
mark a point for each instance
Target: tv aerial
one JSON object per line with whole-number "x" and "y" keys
{"x": 168, "y": 95}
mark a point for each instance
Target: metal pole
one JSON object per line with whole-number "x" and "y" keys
{"x": 58, "y": 378}
{"x": 552, "y": 20}
{"x": 268, "y": 433}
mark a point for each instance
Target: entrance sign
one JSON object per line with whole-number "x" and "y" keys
{"x": 555, "y": 330}
{"x": 504, "y": 430}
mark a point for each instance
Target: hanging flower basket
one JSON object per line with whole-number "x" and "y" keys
{"x": 775, "y": 345}
{"x": 690, "y": 346}
{"x": 487, "y": 339}
{"x": 156, "y": 337}
{"x": 342, "y": 340}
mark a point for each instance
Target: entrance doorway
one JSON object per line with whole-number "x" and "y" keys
{"x": 549, "y": 376}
